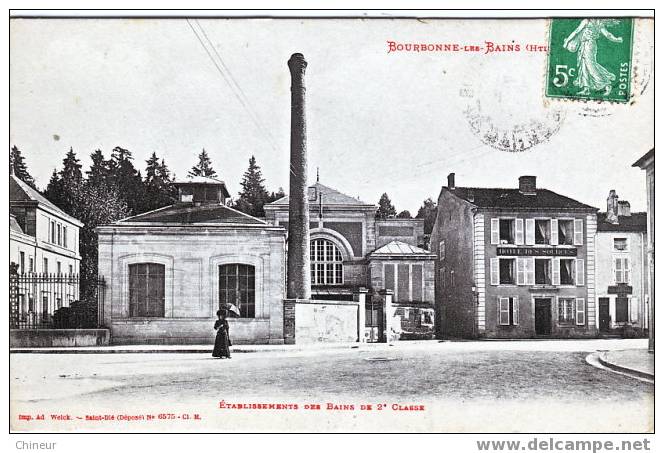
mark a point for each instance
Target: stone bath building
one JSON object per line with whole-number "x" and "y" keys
{"x": 514, "y": 263}
{"x": 353, "y": 252}
{"x": 170, "y": 270}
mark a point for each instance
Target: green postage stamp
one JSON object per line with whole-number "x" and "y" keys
{"x": 590, "y": 59}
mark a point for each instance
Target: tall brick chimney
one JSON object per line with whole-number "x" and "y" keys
{"x": 450, "y": 181}
{"x": 299, "y": 271}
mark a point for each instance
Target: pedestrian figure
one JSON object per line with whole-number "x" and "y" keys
{"x": 222, "y": 342}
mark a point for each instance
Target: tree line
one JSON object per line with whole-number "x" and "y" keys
{"x": 113, "y": 188}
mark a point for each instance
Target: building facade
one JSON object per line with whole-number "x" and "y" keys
{"x": 171, "y": 269}
{"x": 622, "y": 267}
{"x": 351, "y": 251}
{"x": 647, "y": 163}
{"x": 514, "y": 263}
{"x": 43, "y": 240}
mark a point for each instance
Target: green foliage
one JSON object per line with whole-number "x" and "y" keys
{"x": 20, "y": 168}
{"x": 404, "y": 215}
{"x": 385, "y": 208}
{"x": 158, "y": 189}
{"x": 254, "y": 195}
{"x": 204, "y": 166}
{"x": 428, "y": 212}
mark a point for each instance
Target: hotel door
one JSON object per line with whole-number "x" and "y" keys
{"x": 604, "y": 316}
{"x": 543, "y": 316}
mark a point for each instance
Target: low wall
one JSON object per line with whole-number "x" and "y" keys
{"x": 318, "y": 321}
{"x": 48, "y": 338}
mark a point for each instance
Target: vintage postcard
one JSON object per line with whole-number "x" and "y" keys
{"x": 309, "y": 224}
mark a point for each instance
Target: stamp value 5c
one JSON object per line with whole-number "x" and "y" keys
{"x": 590, "y": 59}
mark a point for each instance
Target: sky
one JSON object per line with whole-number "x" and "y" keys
{"x": 377, "y": 121}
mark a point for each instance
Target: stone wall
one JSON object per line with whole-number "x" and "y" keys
{"x": 49, "y": 338}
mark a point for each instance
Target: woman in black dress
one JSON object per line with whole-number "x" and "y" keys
{"x": 222, "y": 342}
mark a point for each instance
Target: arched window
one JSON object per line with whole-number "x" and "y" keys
{"x": 326, "y": 263}
{"x": 237, "y": 286}
{"x": 146, "y": 290}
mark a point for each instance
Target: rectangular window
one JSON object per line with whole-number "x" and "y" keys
{"x": 45, "y": 268}
{"x": 71, "y": 269}
{"x": 59, "y": 267}
{"x": 146, "y": 290}
{"x": 22, "y": 262}
{"x": 566, "y": 310}
{"x": 403, "y": 282}
{"x": 237, "y": 286}
{"x": 53, "y": 232}
{"x": 507, "y": 235}
{"x": 59, "y": 234}
{"x": 389, "y": 276}
{"x": 31, "y": 264}
{"x": 622, "y": 309}
{"x": 441, "y": 250}
{"x": 565, "y": 232}
{"x": 542, "y": 231}
{"x": 542, "y": 271}
{"x": 508, "y": 311}
{"x": 507, "y": 271}
{"x": 620, "y": 244}
{"x": 621, "y": 270}
{"x": 567, "y": 272}
{"x": 417, "y": 282}
{"x": 64, "y": 236}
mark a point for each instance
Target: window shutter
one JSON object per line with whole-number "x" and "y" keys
{"x": 521, "y": 271}
{"x": 554, "y": 231}
{"x": 555, "y": 272}
{"x": 580, "y": 273}
{"x": 530, "y": 271}
{"x": 617, "y": 270}
{"x": 530, "y": 231}
{"x": 515, "y": 311}
{"x": 494, "y": 271}
{"x": 495, "y": 231}
{"x": 578, "y": 231}
{"x": 518, "y": 238}
{"x": 503, "y": 311}
{"x": 627, "y": 270}
{"x": 580, "y": 311}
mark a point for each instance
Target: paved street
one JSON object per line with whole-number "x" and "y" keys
{"x": 461, "y": 386}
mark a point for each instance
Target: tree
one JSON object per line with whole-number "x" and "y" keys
{"x": 204, "y": 166}
{"x": 63, "y": 183}
{"x": 126, "y": 179}
{"x": 385, "y": 208}
{"x": 404, "y": 215}
{"x": 274, "y": 196}
{"x": 99, "y": 171}
{"x": 254, "y": 195}
{"x": 428, "y": 212}
{"x": 158, "y": 189}
{"x": 19, "y": 167}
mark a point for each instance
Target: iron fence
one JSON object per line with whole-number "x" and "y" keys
{"x": 55, "y": 301}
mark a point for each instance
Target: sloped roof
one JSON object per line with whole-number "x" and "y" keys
{"x": 199, "y": 180}
{"x": 635, "y": 223}
{"x": 330, "y": 196}
{"x": 514, "y": 198}
{"x": 20, "y": 191}
{"x": 186, "y": 213}
{"x": 398, "y": 248}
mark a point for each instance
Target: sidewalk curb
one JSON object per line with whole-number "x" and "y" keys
{"x": 624, "y": 370}
{"x": 159, "y": 350}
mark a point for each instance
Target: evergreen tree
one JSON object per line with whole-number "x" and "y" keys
{"x": 253, "y": 195}
{"x": 385, "y": 208}
{"x": 54, "y": 192}
{"x": 274, "y": 196}
{"x": 99, "y": 171}
{"x": 126, "y": 179}
{"x": 204, "y": 166}
{"x": 158, "y": 189}
{"x": 404, "y": 215}
{"x": 19, "y": 167}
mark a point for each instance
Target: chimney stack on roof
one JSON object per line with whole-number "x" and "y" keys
{"x": 612, "y": 207}
{"x": 528, "y": 185}
{"x": 450, "y": 181}
{"x": 624, "y": 208}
